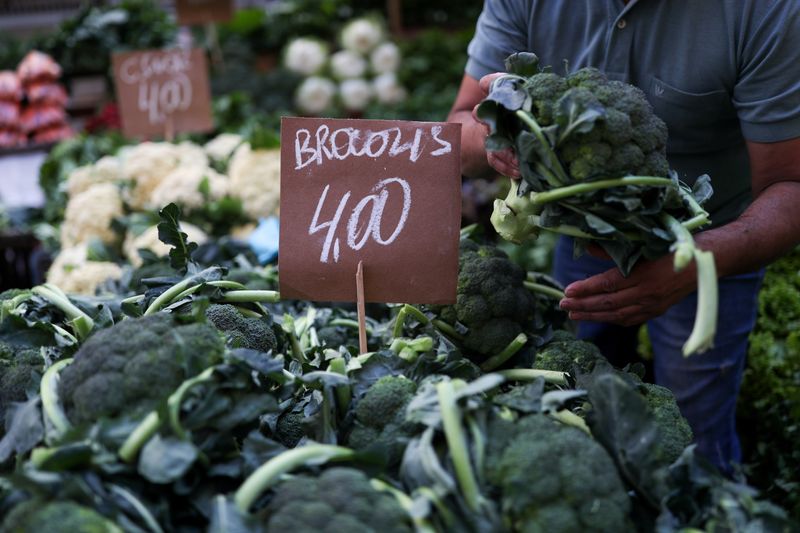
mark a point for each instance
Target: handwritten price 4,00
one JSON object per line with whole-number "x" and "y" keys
{"x": 358, "y": 234}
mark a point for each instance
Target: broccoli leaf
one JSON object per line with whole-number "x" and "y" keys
{"x": 169, "y": 232}
{"x": 522, "y": 64}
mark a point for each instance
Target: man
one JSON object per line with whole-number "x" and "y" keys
{"x": 723, "y": 75}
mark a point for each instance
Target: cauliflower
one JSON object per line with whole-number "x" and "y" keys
{"x": 347, "y": 64}
{"x": 190, "y": 154}
{"x": 305, "y": 56}
{"x": 388, "y": 90}
{"x": 190, "y": 186}
{"x": 255, "y": 177}
{"x": 106, "y": 170}
{"x": 74, "y": 274}
{"x": 355, "y": 94}
{"x": 385, "y": 58}
{"x": 145, "y": 166}
{"x": 148, "y": 240}
{"x": 222, "y": 146}
{"x": 89, "y": 215}
{"x": 362, "y": 35}
{"x": 315, "y": 95}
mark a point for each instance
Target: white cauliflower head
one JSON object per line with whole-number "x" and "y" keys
{"x": 189, "y": 186}
{"x": 255, "y": 178}
{"x": 89, "y": 215}
{"x": 348, "y": 64}
{"x": 148, "y": 240}
{"x": 385, "y": 58}
{"x": 388, "y": 90}
{"x": 145, "y": 165}
{"x": 106, "y": 170}
{"x": 355, "y": 94}
{"x": 305, "y": 56}
{"x": 74, "y": 274}
{"x": 362, "y": 35}
{"x": 222, "y": 146}
{"x": 315, "y": 95}
{"x": 190, "y": 154}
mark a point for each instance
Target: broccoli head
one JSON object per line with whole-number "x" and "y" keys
{"x": 132, "y": 366}
{"x": 565, "y": 353}
{"x": 675, "y": 432}
{"x": 380, "y": 417}
{"x": 289, "y": 428}
{"x": 20, "y": 372}
{"x": 627, "y": 138}
{"x": 242, "y": 331}
{"x": 492, "y": 301}
{"x": 339, "y": 500}
{"x": 55, "y": 517}
{"x": 555, "y": 478}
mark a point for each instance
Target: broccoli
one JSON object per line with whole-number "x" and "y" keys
{"x": 492, "y": 301}
{"x": 380, "y": 417}
{"x": 20, "y": 372}
{"x": 289, "y": 429}
{"x": 554, "y": 478}
{"x": 242, "y": 332}
{"x": 565, "y": 353}
{"x": 676, "y": 434}
{"x": 55, "y": 517}
{"x": 132, "y": 366}
{"x": 339, "y": 500}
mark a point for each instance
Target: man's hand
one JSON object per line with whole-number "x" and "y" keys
{"x": 650, "y": 289}
{"x": 504, "y": 162}
{"x": 475, "y": 160}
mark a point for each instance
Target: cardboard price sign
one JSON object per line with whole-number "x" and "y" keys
{"x": 163, "y": 92}
{"x": 203, "y": 11}
{"x": 384, "y": 193}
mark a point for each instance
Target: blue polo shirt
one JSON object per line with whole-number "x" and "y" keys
{"x": 716, "y": 71}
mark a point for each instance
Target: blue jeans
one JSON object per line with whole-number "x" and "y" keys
{"x": 706, "y": 385}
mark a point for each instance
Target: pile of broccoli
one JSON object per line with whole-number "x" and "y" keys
{"x": 20, "y": 372}
{"x": 241, "y": 331}
{"x": 380, "y": 418}
{"x": 493, "y": 303}
{"x": 554, "y": 478}
{"x": 55, "y": 517}
{"x": 129, "y": 368}
{"x": 338, "y": 500}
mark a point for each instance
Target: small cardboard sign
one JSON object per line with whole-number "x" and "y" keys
{"x": 387, "y": 193}
{"x": 203, "y": 11}
{"x": 163, "y": 92}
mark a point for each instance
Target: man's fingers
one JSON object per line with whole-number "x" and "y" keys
{"x": 607, "y": 282}
{"x": 504, "y": 162}
{"x": 604, "y": 302}
{"x": 485, "y": 82}
{"x": 627, "y": 316}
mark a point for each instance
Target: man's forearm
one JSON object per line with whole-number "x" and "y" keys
{"x": 769, "y": 228}
{"x": 473, "y": 153}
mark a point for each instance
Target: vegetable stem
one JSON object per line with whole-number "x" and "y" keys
{"x": 457, "y": 444}
{"x": 508, "y": 352}
{"x": 447, "y": 329}
{"x": 558, "y": 176}
{"x": 51, "y": 406}
{"x": 581, "y": 188}
{"x": 268, "y": 474}
{"x": 546, "y": 290}
{"x": 248, "y": 296}
{"x": 82, "y": 324}
{"x": 529, "y": 374}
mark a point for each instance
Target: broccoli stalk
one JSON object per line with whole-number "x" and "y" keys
{"x": 705, "y": 324}
{"x": 529, "y": 374}
{"x": 150, "y": 424}
{"x": 508, "y": 352}
{"x": 51, "y": 405}
{"x": 270, "y": 472}
{"x": 458, "y": 446}
{"x": 82, "y": 324}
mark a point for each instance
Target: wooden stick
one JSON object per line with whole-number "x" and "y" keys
{"x": 169, "y": 129}
{"x": 362, "y": 316}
